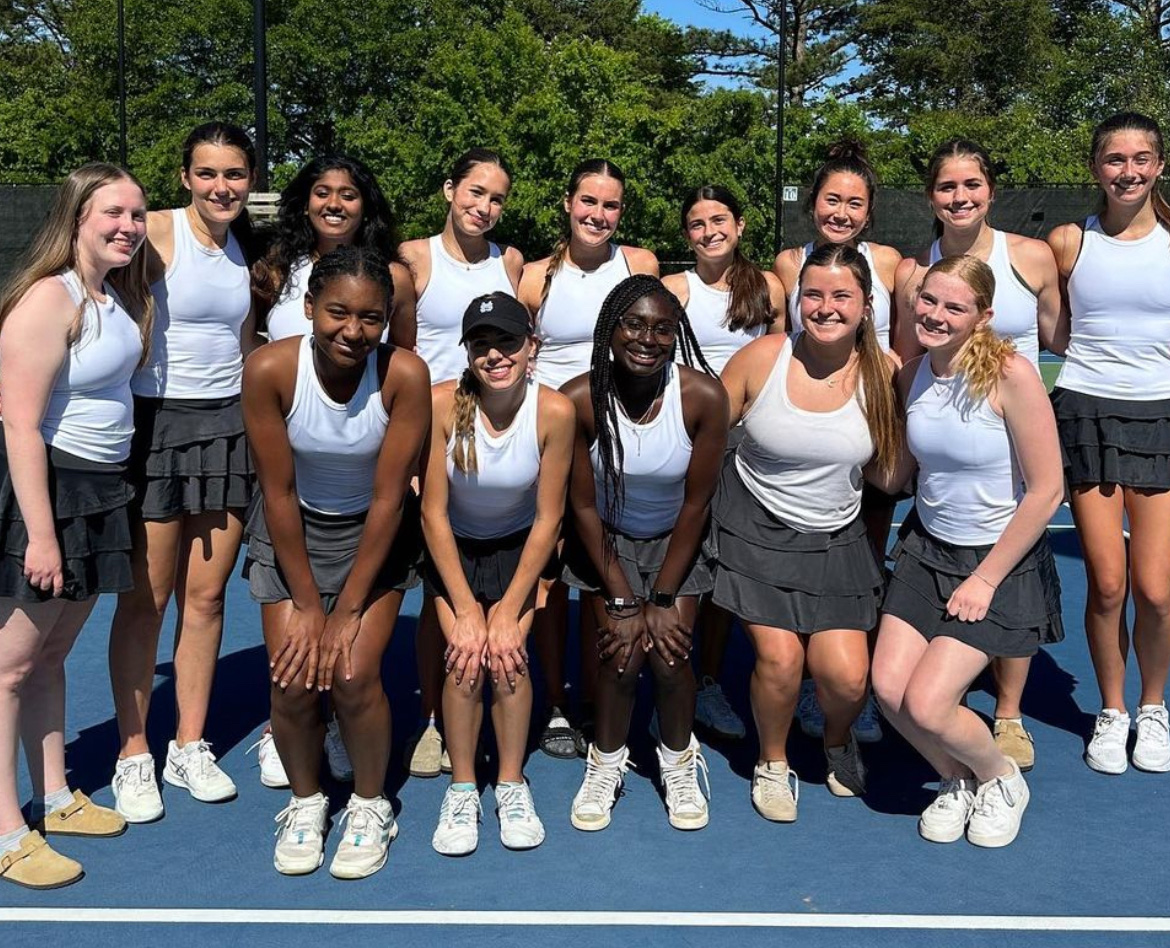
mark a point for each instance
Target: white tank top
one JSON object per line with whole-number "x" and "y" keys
{"x": 566, "y": 319}
{"x": 657, "y": 455}
{"x": 335, "y": 446}
{"x": 449, "y": 291}
{"x": 969, "y": 482}
{"x": 881, "y": 298}
{"x": 90, "y": 413}
{"x": 1119, "y": 297}
{"x": 1014, "y": 305}
{"x": 287, "y": 316}
{"x": 804, "y": 467}
{"x": 501, "y": 497}
{"x": 707, "y": 313}
{"x": 200, "y": 306}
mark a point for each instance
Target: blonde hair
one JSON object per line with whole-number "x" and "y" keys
{"x": 463, "y": 423}
{"x": 983, "y": 357}
{"x": 54, "y": 251}
{"x": 880, "y": 402}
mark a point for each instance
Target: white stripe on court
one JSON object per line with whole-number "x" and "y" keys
{"x": 211, "y": 916}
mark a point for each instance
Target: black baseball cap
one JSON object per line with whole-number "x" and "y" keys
{"x": 498, "y": 310}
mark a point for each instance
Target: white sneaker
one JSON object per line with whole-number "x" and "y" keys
{"x": 945, "y": 820}
{"x": 336, "y": 754}
{"x": 593, "y": 803}
{"x": 775, "y": 791}
{"x": 520, "y": 827}
{"x": 136, "y": 796}
{"x": 846, "y": 770}
{"x": 686, "y": 806}
{"x": 1152, "y": 750}
{"x": 999, "y": 806}
{"x": 868, "y": 726}
{"x": 369, "y": 829}
{"x": 714, "y": 711}
{"x": 1106, "y": 750}
{"x": 458, "y": 831}
{"x": 271, "y": 769}
{"x": 808, "y": 710}
{"x": 300, "y": 835}
{"x": 193, "y": 768}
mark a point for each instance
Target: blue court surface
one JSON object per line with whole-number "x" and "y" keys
{"x": 1090, "y": 867}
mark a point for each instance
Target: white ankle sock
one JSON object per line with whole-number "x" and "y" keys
{"x": 10, "y": 842}
{"x": 670, "y": 757}
{"x": 612, "y": 758}
{"x": 50, "y": 803}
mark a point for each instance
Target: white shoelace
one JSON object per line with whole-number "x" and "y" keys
{"x": 299, "y": 816}
{"x": 515, "y": 803}
{"x": 266, "y": 736}
{"x": 136, "y": 776}
{"x": 682, "y": 782}
{"x": 776, "y": 786}
{"x": 460, "y": 808}
{"x": 1113, "y": 729}
{"x": 600, "y": 786}
{"x": 949, "y": 790}
{"x": 360, "y": 817}
{"x": 990, "y": 796}
{"x": 200, "y": 756}
{"x": 1153, "y": 719}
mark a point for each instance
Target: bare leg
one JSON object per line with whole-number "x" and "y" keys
{"x": 1149, "y": 557}
{"x": 1011, "y": 675}
{"x": 297, "y": 726}
{"x": 511, "y": 712}
{"x": 462, "y": 709}
{"x": 714, "y": 633}
{"x": 674, "y": 688}
{"x": 549, "y": 637}
{"x": 429, "y": 645}
{"x": 615, "y": 693}
{"x": 775, "y": 686}
{"x": 839, "y": 662}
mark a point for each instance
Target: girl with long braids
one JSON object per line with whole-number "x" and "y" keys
{"x": 337, "y": 423}
{"x": 960, "y": 186}
{"x": 794, "y": 563}
{"x": 729, "y": 302}
{"x": 493, "y": 499}
{"x": 333, "y": 201}
{"x": 1112, "y": 403}
{"x": 650, "y": 438}
{"x": 192, "y": 469}
{"x": 564, "y": 292}
{"x": 974, "y": 577}
{"x": 840, "y": 205}
{"x": 74, "y": 323}
{"x": 449, "y": 270}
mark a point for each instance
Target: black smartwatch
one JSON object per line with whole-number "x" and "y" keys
{"x": 663, "y": 600}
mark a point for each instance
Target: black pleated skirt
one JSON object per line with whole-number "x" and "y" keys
{"x": 1113, "y": 440}
{"x": 769, "y": 574}
{"x": 641, "y": 559}
{"x": 332, "y": 544}
{"x": 1024, "y": 612}
{"x": 189, "y": 456}
{"x": 91, "y": 521}
{"x": 489, "y": 565}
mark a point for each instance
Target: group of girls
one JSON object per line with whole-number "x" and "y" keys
{"x": 707, "y": 455}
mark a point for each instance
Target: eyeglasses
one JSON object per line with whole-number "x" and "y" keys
{"x": 661, "y": 332}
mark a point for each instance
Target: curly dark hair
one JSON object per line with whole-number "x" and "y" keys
{"x": 355, "y": 261}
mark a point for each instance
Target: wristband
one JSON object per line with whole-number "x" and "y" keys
{"x": 621, "y": 604}
{"x": 663, "y": 600}
{"x": 984, "y": 580}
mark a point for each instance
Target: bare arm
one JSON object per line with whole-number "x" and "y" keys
{"x": 904, "y": 333}
{"x": 779, "y": 300}
{"x": 514, "y": 265}
{"x": 1065, "y": 242}
{"x": 641, "y": 260}
{"x": 33, "y": 348}
{"x": 403, "y": 318}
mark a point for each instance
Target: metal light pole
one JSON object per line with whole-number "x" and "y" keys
{"x": 780, "y": 94}
{"x": 260, "y": 86}
{"x": 121, "y": 84}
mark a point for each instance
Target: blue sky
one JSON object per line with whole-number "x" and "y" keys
{"x": 693, "y": 13}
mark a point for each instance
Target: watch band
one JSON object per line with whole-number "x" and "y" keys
{"x": 663, "y": 600}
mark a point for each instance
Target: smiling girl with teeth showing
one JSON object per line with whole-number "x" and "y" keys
{"x": 1112, "y": 403}
{"x": 191, "y": 461}
{"x": 973, "y": 576}
{"x": 960, "y": 186}
{"x": 564, "y": 292}
{"x": 650, "y": 438}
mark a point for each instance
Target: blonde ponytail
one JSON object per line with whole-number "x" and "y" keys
{"x": 463, "y": 414}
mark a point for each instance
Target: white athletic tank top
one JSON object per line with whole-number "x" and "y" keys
{"x": 969, "y": 482}
{"x": 881, "y": 298}
{"x": 1119, "y": 296}
{"x": 449, "y": 291}
{"x": 804, "y": 467}
{"x": 287, "y": 316}
{"x": 335, "y": 445}
{"x": 657, "y": 455}
{"x": 200, "y": 306}
{"x": 707, "y": 313}
{"x": 566, "y": 319}
{"x": 501, "y": 497}
{"x": 90, "y": 413}
{"x": 1014, "y": 305}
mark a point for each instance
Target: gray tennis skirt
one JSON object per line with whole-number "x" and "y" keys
{"x": 1024, "y": 612}
{"x": 767, "y": 573}
{"x": 489, "y": 565}
{"x": 641, "y": 558}
{"x": 1113, "y": 440}
{"x": 189, "y": 456}
{"x": 332, "y": 543}
{"x": 91, "y": 522}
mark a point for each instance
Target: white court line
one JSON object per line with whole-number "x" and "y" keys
{"x": 211, "y": 916}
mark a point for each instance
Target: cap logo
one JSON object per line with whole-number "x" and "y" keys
{"x": 486, "y": 306}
